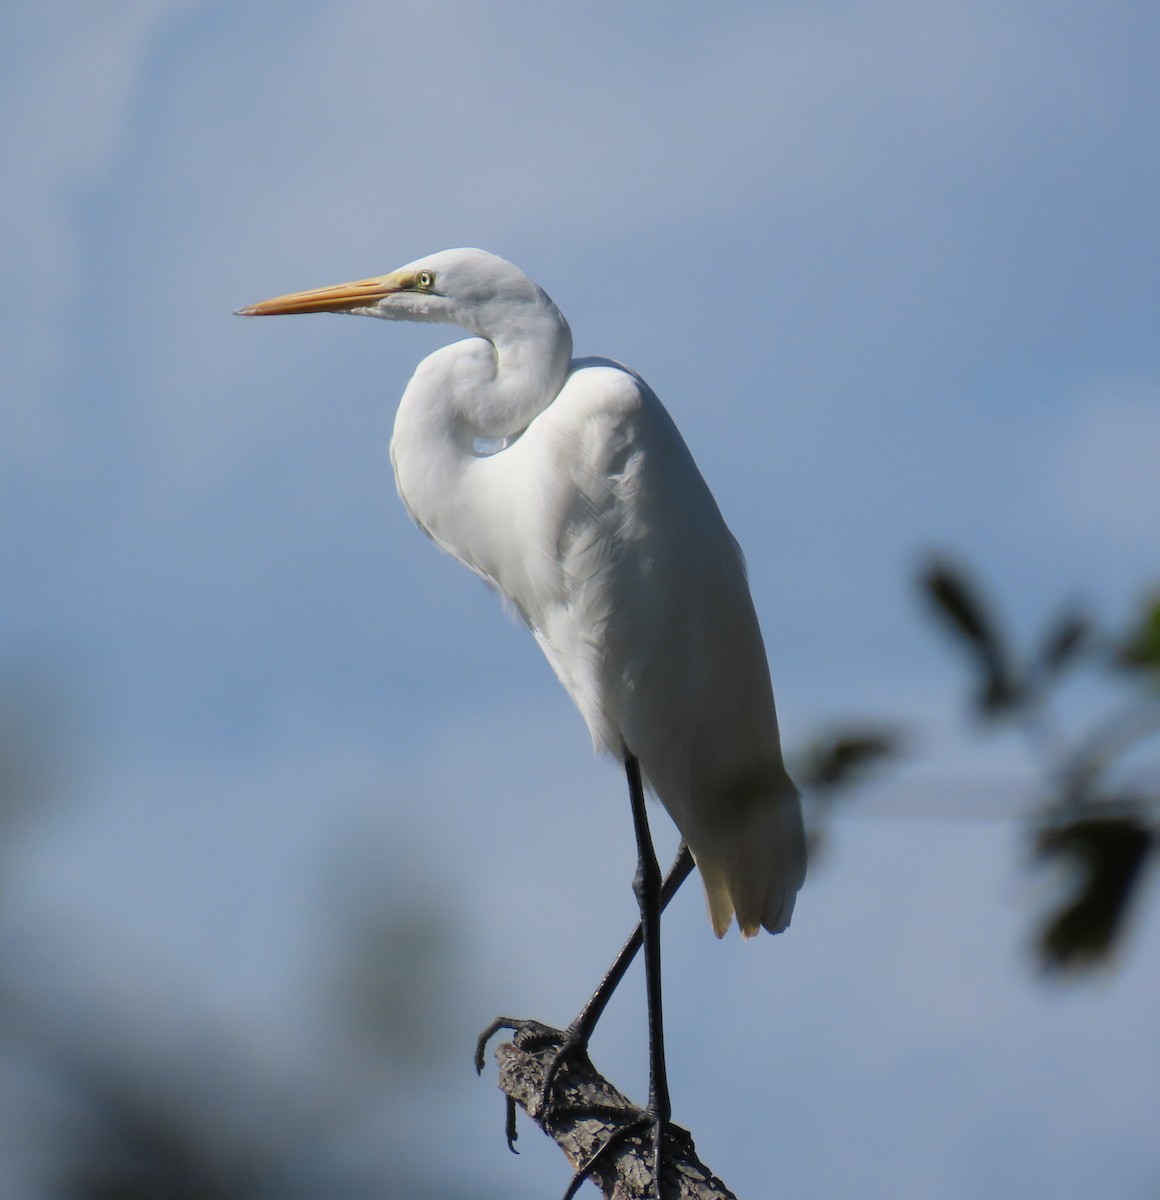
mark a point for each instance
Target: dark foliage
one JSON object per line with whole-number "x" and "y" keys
{"x": 1090, "y": 820}
{"x": 1111, "y": 853}
{"x": 843, "y": 759}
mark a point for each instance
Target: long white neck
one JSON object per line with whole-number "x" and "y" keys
{"x": 486, "y": 389}
{"x": 521, "y": 373}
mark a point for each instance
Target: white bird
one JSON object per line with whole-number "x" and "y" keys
{"x": 565, "y": 484}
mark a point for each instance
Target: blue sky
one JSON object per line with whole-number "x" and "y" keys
{"x": 894, "y": 271}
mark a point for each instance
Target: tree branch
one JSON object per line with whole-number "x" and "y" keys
{"x": 587, "y": 1110}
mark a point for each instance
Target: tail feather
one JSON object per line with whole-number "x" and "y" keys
{"x": 717, "y": 894}
{"x": 753, "y": 864}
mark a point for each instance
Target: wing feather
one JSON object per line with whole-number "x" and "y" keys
{"x": 651, "y": 628}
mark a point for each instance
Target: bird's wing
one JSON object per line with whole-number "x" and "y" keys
{"x": 656, "y": 638}
{"x": 579, "y": 469}
{"x": 637, "y": 593}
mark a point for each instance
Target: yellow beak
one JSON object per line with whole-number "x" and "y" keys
{"x": 341, "y": 297}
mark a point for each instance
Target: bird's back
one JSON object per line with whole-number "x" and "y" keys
{"x": 637, "y": 593}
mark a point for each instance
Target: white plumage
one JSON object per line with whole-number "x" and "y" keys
{"x": 566, "y": 485}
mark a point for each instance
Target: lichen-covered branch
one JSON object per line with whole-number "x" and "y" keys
{"x": 587, "y": 1110}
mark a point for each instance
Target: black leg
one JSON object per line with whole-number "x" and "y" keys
{"x": 579, "y": 1033}
{"x": 585, "y": 1023}
{"x": 653, "y": 895}
{"x": 647, "y": 886}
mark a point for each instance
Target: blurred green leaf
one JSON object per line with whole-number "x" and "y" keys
{"x": 958, "y": 604}
{"x": 954, "y": 597}
{"x": 1140, "y": 649}
{"x": 841, "y": 759}
{"x": 1111, "y": 853}
{"x": 1067, "y": 637}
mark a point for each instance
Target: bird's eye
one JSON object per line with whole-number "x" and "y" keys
{"x": 425, "y": 279}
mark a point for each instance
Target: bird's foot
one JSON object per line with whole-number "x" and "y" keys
{"x": 603, "y": 1129}
{"x": 511, "y": 1132}
{"x": 566, "y": 1046}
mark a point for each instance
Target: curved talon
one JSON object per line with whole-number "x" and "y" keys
{"x": 511, "y": 1133}
{"x": 509, "y": 1023}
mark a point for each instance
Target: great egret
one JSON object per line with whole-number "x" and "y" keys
{"x": 565, "y": 484}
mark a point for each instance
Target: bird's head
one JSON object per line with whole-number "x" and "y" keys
{"x": 470, "y": 288}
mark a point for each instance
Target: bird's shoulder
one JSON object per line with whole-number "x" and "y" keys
{"x": 616, "y": 472}
{"x": 604, "y": 386}
{"x": 604, "y": 415}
